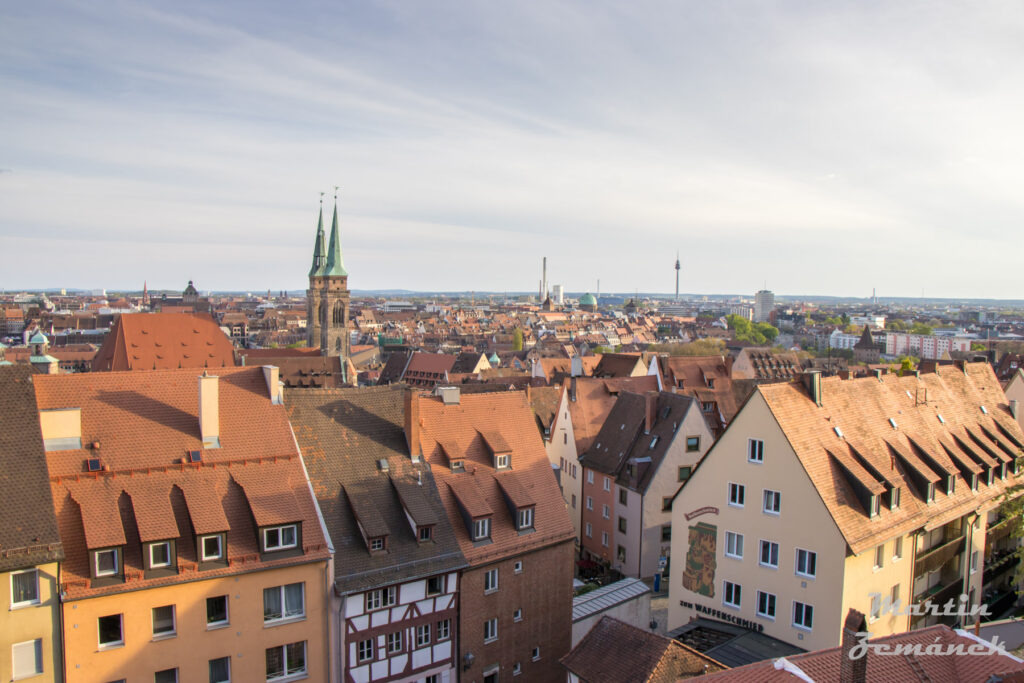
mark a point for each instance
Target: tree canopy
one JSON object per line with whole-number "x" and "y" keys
{"x": 755, "y": 333}
{"x": 517, "y": 339}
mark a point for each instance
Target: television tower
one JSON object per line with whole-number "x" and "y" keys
{"x": 677, "y": 275}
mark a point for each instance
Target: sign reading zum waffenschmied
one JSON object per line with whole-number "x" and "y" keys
{"x": 699, "y": 574}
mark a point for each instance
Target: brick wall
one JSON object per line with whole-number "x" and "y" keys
{"x": 543, "y": 591}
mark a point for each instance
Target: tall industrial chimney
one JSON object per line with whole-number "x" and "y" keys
{"x": 544, "y": 281}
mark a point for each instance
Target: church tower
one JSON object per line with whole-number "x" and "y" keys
{"x": 314, "y": 314}
{"x": 328, "y": 295}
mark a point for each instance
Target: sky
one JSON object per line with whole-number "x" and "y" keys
{"x": 813, "y": 148}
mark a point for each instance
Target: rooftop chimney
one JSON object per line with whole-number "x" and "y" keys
{"x": 209, "y": 410}
{"x": 272, "y": 374}
{"x": 650, "y": 409}
{"x": 853, "y": 670}
{"x": 412, "y": 424}
{"x": 576, "y": 366}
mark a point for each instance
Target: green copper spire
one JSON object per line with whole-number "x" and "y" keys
{"x": 334, "y": 266}
{"x": 319, "y": 258}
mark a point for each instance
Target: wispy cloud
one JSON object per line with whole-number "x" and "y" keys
{"x": 821, "y": 148}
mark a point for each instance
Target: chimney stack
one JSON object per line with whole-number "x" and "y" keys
{"x": 412, "y": 423}
{"x": 209, "y": 410}
{"x": 576, "y": 366}
{"x": 272, "y": 374}
{"x": 853, "y": 670}
{"x": 650, "y": 409}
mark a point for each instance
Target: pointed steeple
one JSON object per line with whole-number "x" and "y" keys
{"x": 319, "y": 258}
{"x": 335, "y": 266}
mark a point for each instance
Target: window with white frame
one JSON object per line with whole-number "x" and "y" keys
{"x": 394, "y": 642}
{"x": 876, "y": 607}
{"x": 220, "y": 670}
{"x": 525, "y": 518}
{"x": 289, "y": 660}
{"x": 490, "y": 630}
{"x": 607, "y": 484}
{"x": 284, "y": 602}
{"x": 490, "y": 580}
{"x": 772, "y": 502}
{"x": 589, "y": 530}
{"x": 280, "y": 537}
{"x": 159, "y": 555}
{"x": 765, "y": 605}
{"x": 444, "y": 629}
{"x": 737, "y": 493}
{"x": 106, "y": 562}
{"x": 974, "y": 561}
{"x": 604, "y": 538}
{"x": 111, "y": 633}
{"x": 517, "y": 567}
{"x": 166, "y": 676}
{"x": 769, "y": 554}
{"x": 27, "y": 659}
{"x": 501, "y": 462}
{"x": 897, "y": 548}
{"x": 163, "y": 621}
{"x": 590, "y": 503}
{"x": 517, "y": 669}
{"x": 535, "y": 655}
{"x": 216, "y": 611}
{"x": 755, "y": 450}
{"x": 605, "y": 512}
{"x": 380, "y": 598}
{"x": 806, "y": 563}
{"x": 376, "y": 544}
{"x": 482, "y": 529}
{"x": 590, "y": 476}
{"x": 734, "y": 545}
{"x": 422, "y": 635}
{"x": 24, "y": 588}
{"x": 880, "y": 556}
{"x": 803, "y": 615}
{"x": 211, "y": 548}
{"x": 517, "y": 614}
{"x": 731, "y": 594}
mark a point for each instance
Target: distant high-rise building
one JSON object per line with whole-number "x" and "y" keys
{"x": 558, "y": 294}
{"x": 764, "y": 303}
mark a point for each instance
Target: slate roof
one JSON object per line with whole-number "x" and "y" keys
{"x": 623, "y": 440}
{"x": 343, "y": 434}
{"x": 158, "y": 341}
{"x": 144, "y": 423}
{"x": 28, "y": 527}
{"x": 616, "y": 652}
{"x": 920, "y": 444}
{"x": 508, "y": 415}
{"x": 822, "y": 666}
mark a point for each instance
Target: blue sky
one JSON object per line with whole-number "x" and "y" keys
{"x": 821, "y": 148}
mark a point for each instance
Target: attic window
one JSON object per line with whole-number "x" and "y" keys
{"x": 892, "y": 423}
{"x": 665, "y": 411}
{"x": 941, "y": 419}
{"x": 950, "y": 484}
{"x": 501, "y": 461}
{"x": 838, "y": 431}
{"x": 280, "y": 537}
{"x": 481, "y": 529}
{"x": 894, "y": 498}
{"x": 458, "y": 466}
{"x": 105, "y": 562}
{"x": 425, "y": 533}
{"x": 93, "y": 465}
{"x": 524, "y": 518}
{"x": 195, "y": 456}
{"x": 929, "y": 496}
{"x": 875, "y": 506}
{"x": 378, "y": 544}
{"x": 984, "y": 410}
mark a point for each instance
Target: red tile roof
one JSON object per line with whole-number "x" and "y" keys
{"x": 156, "y": 341}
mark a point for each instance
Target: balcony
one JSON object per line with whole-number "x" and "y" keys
{"x": 997, "y": 532}
{"x": 938, "y": 596}
{"x": 936, "y": 556}
{"x": 998, "y": 564}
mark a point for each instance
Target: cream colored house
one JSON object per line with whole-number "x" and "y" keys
{"x": 1014, "y": 390}
{"x": 869, "y": 494}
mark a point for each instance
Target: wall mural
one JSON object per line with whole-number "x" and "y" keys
{"x": 699, "y": 574}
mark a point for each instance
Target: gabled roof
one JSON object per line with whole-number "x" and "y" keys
{"x": 144, "y": 424}
{"x": 956, "y": 661}
{"x": 344, "y": 435}
{"x": 594, "y": 400}
{"x": 614, "y": 651}
{"x": 891, "y": 426}
{"x": 161, "y": 341}
{"x": 477, "y": 488}
{"x": 28, "y": 528}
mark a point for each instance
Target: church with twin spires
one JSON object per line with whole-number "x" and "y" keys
{"x": 327, "y": 299}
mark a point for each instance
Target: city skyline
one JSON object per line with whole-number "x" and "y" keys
{"x": 826, "y": 150}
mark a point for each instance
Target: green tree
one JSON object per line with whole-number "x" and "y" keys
{"x": 770, "y": 332}
{"x": 896, "y": 325}
{"x": 517, "y": 339}
{"x": 906, "y": 365}
{"x": 921, "y": 328}
{"x": 701, "y": 347}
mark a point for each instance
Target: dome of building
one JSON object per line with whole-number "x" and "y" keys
{"x": 588, "y": 300}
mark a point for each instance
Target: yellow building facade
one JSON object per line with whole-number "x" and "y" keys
{"x": 30, "y": 625}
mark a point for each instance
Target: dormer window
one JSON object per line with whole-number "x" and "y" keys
{"x": 106, "y": 562}
{"x": 481, "y": 529}
{"x": 524, "y": 519}
{"x": 501, "y": 461}
{"x": 990, "y": 475}
{"x": 159, "y": 555}
{"x": 950, "y": 484}
{"x": 211, "y": 548}
{"x": 425, "y": 534}
{"x": 974, "y": 482}
{"x": 378, "y": 544}
{"x": 458, "y": 466}
{"x": 929, "y": 496}
{"x": 875, "y": 506}
{"x": 280, "y": 537}
{"x": 894, "y": 499}
{"x": 1002, "y": 471}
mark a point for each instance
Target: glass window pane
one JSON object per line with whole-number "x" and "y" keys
{"x": 275, "y": 662}
{"x": 163, "y": 619}
{"x": 271, "y": 603}
{"x": 293, "y": 600}
{"x": 24, "y": 587}
{"x": 296, "y": 657}
{"x": 288, "y": 535}
{"x": 217, "y": 609}
{"x": 220, "y": 670}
